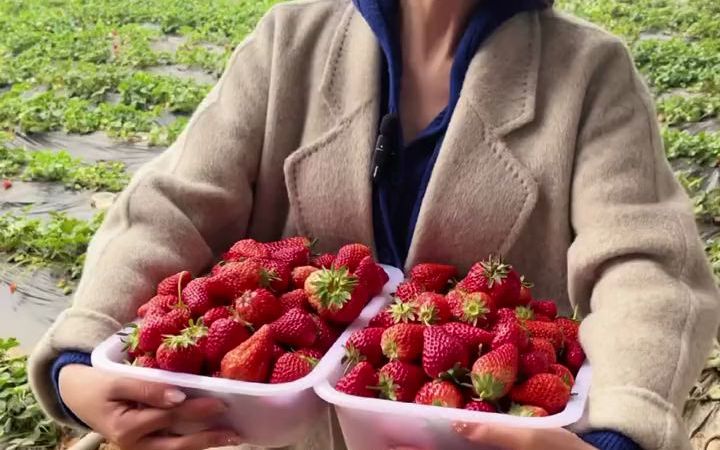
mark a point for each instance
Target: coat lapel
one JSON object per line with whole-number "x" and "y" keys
{"x": 328, "y": 179}
{"x": 480, "y": 196}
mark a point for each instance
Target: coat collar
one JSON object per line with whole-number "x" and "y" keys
{"x": 328, "y": 180}
{"x": 501, "y": 81}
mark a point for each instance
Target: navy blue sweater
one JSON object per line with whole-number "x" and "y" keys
{"x": 399, "y": 192}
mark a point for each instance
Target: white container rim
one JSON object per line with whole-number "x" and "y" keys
{"x": 101, "y": 359}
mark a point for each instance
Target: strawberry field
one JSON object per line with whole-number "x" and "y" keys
{"x": 90, "y": 90}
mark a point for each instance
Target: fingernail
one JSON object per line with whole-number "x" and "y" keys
{"x": 174, "y": 396}
{"x": 233, "y": 440}
{"x": 461, "y": 428}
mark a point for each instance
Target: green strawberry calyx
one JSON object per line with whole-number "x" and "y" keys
{"x": 402, "y": 312}
{"x": 495, "y": 271}
{"x": 522, "y": 410}
{"x": 195, "y": 330}
{"x": 352, "y": 356}
{"x": 428, "y": 315}
{"x": 487, "y": 386}
{"x": 473, "y": 308}
{"x": 179, "y": 341}
{"x": 524, "y": 313}
{"x": 333, "y": 287}
{"x": 388, "y": 388}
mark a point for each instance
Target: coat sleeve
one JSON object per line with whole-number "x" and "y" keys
{"x": 638, "y": 260}
{"x": 179, "y": 209}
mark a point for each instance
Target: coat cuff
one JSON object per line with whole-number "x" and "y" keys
{"x": 66, "y": 359}
{"x": 609, "y": 440}
{"x": 75, "y": 330}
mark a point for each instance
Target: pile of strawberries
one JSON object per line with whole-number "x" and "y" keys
{"x": 266, "y": 313}
{"x": 482, "y": 344}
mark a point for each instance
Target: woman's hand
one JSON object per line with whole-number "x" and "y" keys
{"x": 508, "y": 438}
{"x": 134, "y": 414}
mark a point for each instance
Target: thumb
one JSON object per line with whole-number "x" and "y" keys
{"x": 147, "y": 393}
{"x": 495, "y": 436}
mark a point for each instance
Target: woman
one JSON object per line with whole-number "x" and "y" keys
{"x": 520, "y": 132}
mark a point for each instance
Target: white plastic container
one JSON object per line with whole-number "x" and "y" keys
{"x": 372, "y": 424}
{"x": 271, "y": 415}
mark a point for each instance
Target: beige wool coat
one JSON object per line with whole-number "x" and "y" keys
{"x": 552, "y": 159}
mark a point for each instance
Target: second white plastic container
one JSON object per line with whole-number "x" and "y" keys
{"x": 269, "y": 415}
{"x": 372, "y": 424}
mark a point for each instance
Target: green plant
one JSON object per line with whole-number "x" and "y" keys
{"x": 702, "y": 148}
{"x": 678, "y": 109}
{"x": 23, "y": 425}
{"x": 60, "y": 240}
{"x": 166, "y": 135}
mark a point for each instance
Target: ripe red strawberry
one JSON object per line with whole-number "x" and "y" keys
{"x": 403, "y": 341}
{"x": 160, "y": 304}
{"x": 291, "y": 242}
{"x": 568, "y": 327}
{"x": 300, "y": 274}
{"x": 442, "y": 352}
{"x": 251, "y": 360}
{"x": 545, "y": 390}
{"x": 154, "y": 328}
{"x": 146, "y": 361}
{"x": 494, "y": 373}
{"x": 482, "y": 406}
{"x": 246, "y": 248}
{"x": 504, "y": 315}
{"x": 525, "y": 296}
{"x": 563, "y": 372}
{"x": 383, "y": 319}
{"x": 364, "y": 345}
{"x": 197, "y": 296}
{"x": 434, "y": 277}
{"x": 292, "y": 366}
{"x": 311, "y": 352}
{"x": 527, "y": 411}
{"x": 216, "y": 313}
{"x": 440, "y": 393}
{"x": 326, "y": 335}
{"x": 294, "y": 299}
{"x": 234, "y": 278}
{"x": 495, "y": 278}
{"x": 223, "y": 336}
{"x": 179, "y": 354}
{"x": 6, "y": 184}
{"x": 372, "y": 275}
{"x": 359, "y": 381}
{"x": 511, "y": 333}
{"x": 573, "y": 356}
{"x": 336, "y": 295}
{"x": 471, "y": 336}
{"x": 275, "y": 275}
{"x": 323, "y": 261}
{"x": 431, "y": 308}
{"x": 174, "y": 283}
{"x": 276, "y": 353}
{"x": 545, "y": 346}
{"x": 545, "y": 330}
{"x": 472, "y": 308}
{"x": 400, "y": 381}
{"x": 534, "y": 363}
{"x": 294, "y": 328}
{"x": 542, "y": 318}
{"x": 349, "y": 256}
{"x": 546, "y": 308}
{"x": 293, "y": 256}
{"x": 408, "y": 290}
{"x": 258, "y": 307}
